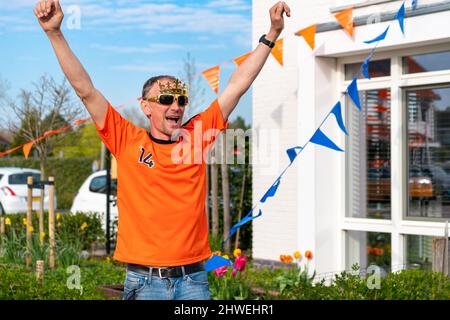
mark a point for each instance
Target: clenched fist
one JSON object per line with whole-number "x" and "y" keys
{"x": 49, "y": 14}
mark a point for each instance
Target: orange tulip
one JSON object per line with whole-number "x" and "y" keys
{"x": 308, "y": 255}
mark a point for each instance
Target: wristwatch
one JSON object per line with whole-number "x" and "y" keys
{"x": 268, "y": 43}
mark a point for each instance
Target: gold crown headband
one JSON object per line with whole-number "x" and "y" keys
{"x": 173, "y": 87}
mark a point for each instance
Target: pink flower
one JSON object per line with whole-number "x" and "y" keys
{"x": 240, "y": 263}
{"x": 233, "y": 273}
{"x": 220, "y": 272}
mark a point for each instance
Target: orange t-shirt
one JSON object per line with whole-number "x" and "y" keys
{"x": 162, "y": 189}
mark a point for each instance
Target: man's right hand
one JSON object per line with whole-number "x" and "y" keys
{"x": 50, "y": 15}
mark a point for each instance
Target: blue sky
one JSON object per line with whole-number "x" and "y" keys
{"x": 122, "y": 43}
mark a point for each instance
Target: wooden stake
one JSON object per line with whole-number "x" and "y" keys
{"x": 2, "y": 225}
{"x": 51, "y": 221}
{"x": 29, "y": 220}
{"x": 39, "y": 270}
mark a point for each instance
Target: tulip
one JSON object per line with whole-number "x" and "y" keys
{"x": 237, "y": 253}
{"x": 8, "y": 221}
{"x": 308, "y": 255}
{"x": 220, "y": 272}
{"x": 240, "y": 263}
{"x": 297, "y": 255}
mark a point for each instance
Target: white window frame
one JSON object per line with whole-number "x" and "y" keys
{"x": 399, "y": 225}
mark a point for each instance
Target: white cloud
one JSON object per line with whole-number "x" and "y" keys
{"x": 216, "y": 16}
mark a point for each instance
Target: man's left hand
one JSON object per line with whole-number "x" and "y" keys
{"x": 277, "y": 19}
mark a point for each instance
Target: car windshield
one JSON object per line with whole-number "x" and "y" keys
{"x": 21, "y": 178}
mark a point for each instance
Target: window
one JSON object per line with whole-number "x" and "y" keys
{"x": 377, "y": 68}
{"x": 426, "y": 62}
{"x": 21, "y": 178}
{"x": 368, "y": 248}
{"x": 428, "y": 114}
{"x": 368, "y": 164}
{"x": 98, "y": 185}
{"x": 419, "y": 252}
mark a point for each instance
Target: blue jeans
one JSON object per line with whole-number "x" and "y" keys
{"x": 139, "y": 286}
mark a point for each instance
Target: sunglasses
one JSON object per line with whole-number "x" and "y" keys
{"x": 168, "y": 99}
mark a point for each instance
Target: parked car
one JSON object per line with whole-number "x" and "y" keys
{"x": 91, "y": 197}
{"x": 14, "y": 190}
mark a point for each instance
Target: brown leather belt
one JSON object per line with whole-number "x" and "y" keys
{"x": 167, "y": 272}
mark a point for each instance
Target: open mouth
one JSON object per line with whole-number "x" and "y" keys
{"x": 173, "y": 120}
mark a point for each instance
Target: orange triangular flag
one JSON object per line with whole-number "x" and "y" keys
{"x": 345, "y": 19}
{"x": 27, "y": 149}
{"x": 242, "y": 58}
{"x": 212, "y": 76}
{"x": 309, "y": 34}
{"x": 277, "y": 51}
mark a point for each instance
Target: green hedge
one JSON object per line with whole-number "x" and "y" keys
{"x": 69, "y": 174}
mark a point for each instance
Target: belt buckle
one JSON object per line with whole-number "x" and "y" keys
{"x": 159, "y": 272}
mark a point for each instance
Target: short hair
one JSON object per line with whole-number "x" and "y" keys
{"x": 150, "y": 82}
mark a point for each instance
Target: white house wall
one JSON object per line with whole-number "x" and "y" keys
{"x": 308, "y": 211}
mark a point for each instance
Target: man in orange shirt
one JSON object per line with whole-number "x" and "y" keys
{"x": 162, "y": 231}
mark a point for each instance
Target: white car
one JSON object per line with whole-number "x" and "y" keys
{"x": 91, "y": 198}
{"x": 14, "y": 190}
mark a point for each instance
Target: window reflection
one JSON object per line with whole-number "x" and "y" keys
{"x": 368, "y": 248}
{"x": 377, "y": 68}
{"x": 429, "y": 152}
{"x": 426, "y": 62}
{"x": 369, "y": 162}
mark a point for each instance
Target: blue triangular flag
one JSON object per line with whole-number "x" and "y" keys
{"x": 337, "y": 111}
{"x": 216, "y": 262}
{"x": 292, "y": 153}
{"x": 414, "y": 4}
{"x": 249, "y": 217}
{"x": 401, "y": 17}
{"x": 321, "y": 139}
{"x": 271, "y": 192}
{"x": 379, "y": 38}
{"x": 365, "y": 68}
{"x": 353, "y": 93}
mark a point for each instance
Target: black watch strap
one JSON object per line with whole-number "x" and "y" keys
{"x": 268, "y": 43}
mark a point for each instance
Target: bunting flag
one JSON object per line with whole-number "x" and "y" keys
{"x": 321, "y": 139}
{"x": 249, "y": 217}
{"x": 378, "y": 38}
{"x": 401, "y": 17}
{"x": 239, "y": 60}
{"x": 212, "y": 76}
{"x": 353, "y": 93}
{"x": 216, "y": 262}
{"x": 345, "y": 19}
{"x": 27, "y": 149}
{"x": 272, "y": 190}
{"x": 414, "y": 4}
{"x": 4, "y": 153}
{"x": 277, "y": 51}
{"x": 337, "y": 111}
{"x": 365, "y": 68}
{"x": 81, "y": 121}
{"x": 309, "y": 34}
{"x": 292, "y": 153}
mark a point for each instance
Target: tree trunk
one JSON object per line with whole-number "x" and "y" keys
{"x": 241, "y": 206}
{"x": 215, "y": 199}
{"x": 41, "y": 200}
{"x": 226, "y": 197}
{"x": 207, "y": 196}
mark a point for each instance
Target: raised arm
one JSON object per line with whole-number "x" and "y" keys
{"x": 50, "y": 17}
{"x": 246, "y": 73}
